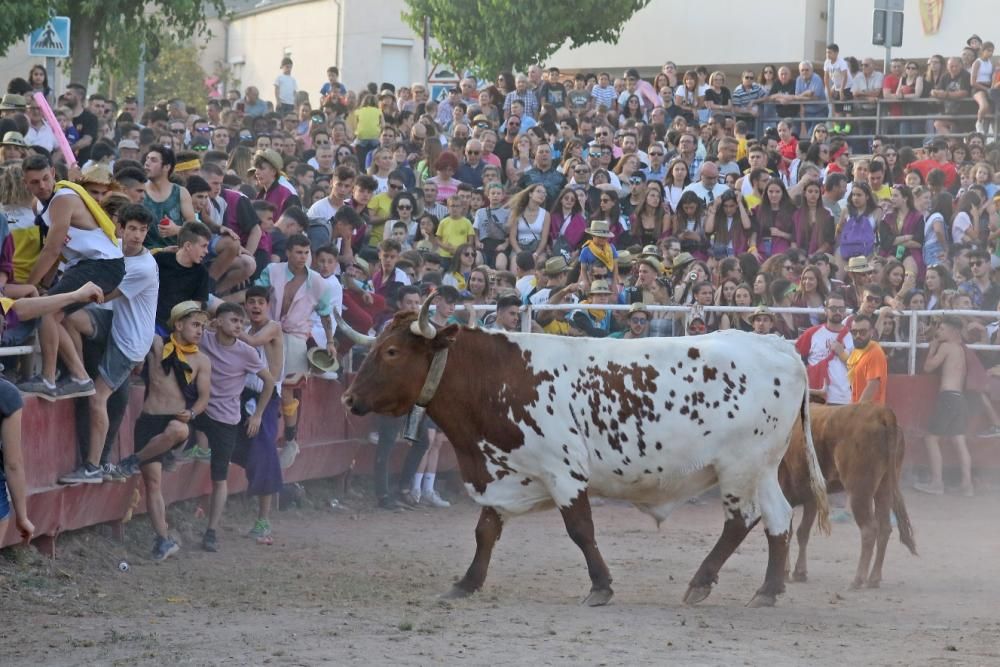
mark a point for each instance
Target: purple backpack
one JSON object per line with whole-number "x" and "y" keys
{"x": 857, "y": 237}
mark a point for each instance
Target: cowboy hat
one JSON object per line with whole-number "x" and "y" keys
{"x": 652, "y": 262}
{"x": 13, "y": 102}
{"x": 99, "y": 174}
{"x": 600, "y": 287}
{"x": 182, "y": 310}
{"x": 555, "y": 265}
{"x": 14, "y": 138}
{"x": 271, "y": 156}
{"x": 625, "y": 259}
{"x": 651, "y": 251}
{"x": 859, "y": 265}
{"x": 321, "y": 360}
{"x": 638, "y": 307}
{"x": 600, "y": 228}
{"x": 761, "y": 311}
{"x": 682, "y": 259}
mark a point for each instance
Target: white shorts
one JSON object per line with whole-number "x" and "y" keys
{"x": 296, "y": 362}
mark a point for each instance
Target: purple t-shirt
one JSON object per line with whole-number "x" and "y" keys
{"x": 230, "y": 365}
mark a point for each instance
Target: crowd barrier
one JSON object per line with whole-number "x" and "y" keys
{"x": 333, "y": 442}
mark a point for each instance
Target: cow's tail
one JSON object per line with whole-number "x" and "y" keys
{"x": 898, "y": 504}
{"x": 817, "y": 483}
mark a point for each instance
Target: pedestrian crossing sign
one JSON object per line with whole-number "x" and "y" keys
{"x": 51, "y": 40}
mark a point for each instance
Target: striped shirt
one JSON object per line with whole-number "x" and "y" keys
{"x": 604, "y": 96}
{"x": 527, "y": 98}
{"x": 743, "y": 97}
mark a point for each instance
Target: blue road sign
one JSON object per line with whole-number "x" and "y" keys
{"x": 51, "y": 40}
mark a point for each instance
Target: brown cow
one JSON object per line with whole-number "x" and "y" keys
{"x": 860, "y": 449}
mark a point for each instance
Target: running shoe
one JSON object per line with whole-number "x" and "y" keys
{"x": 73, "y": 388}
{"x": 85, "y": 474}
{"x": 164, "y": 548}
{"x": 261, "y": 529}
{"x": 209, "y": 542}
{"x": 39, "y": 386}
{"x": 433, "y": 499}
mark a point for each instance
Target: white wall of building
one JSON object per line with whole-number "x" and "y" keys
{"x": 723, "y": 32}
{"x": 960, "y": 19}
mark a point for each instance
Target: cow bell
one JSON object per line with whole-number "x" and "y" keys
{"x": 412, "y": 426}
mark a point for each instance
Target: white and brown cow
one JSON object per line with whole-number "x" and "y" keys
{"x": 538, "y": 420}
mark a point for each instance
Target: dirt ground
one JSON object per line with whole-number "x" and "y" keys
{"x": 357, "y": 586}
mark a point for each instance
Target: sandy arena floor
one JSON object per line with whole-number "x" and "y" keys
{"x": 357, "y": 586}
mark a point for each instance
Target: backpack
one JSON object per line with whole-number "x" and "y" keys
{"x": 857, "y": 237}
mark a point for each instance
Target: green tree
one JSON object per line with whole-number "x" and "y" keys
{"x": 500, "y": 35}
{"x": 109, "y": 32}
{"x": 176, "y": 72}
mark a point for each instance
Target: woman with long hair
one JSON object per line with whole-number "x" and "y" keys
{"x": 520, "y": 161}
{"x": 382, "y": 166}
{"x": 572, "y": 150}
{"x": 529, "y": 221}
{"x": 857, "y": 224}
{"x": 893, "y": 166}
{"x": 647, "y": 223}
{"x": 775, "y": 227}
{"x": 742, "y": 298}
{"x": 689, "y": 225}
{"x": 632, "y": 111}
{"x": 505, "y": 82}
{"x": 240, "y": 162}
{"x": 463, "y": 261}
{"x": 568, "y": 223}
{"x": 937, "y": 241}
{"x": 965, "y": 224}
{"x": 478, "y": 285}
{"x": 895, "y": 281}
{"x": 445, "y": 167}
{"x": 678, "y": 177}
{"x": 815, "y": 229}
{"x": 426, "y": 232}
{"x": 687, "y": 97}
{"x": 718, "y": 98}
{"x": 684, "y": 281}
{"x": 901, "y": 231}
{"x": 811, "y": 293}
{"x": 403, "y": 209}
{"x": 937, "y": 281}
{"x": 762, "y": 289}
{"x": 728, "y": 226}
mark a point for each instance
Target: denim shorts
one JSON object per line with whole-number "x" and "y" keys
{"x": 115, "y": 367}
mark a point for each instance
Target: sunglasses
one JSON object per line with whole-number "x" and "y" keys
{"x": 177, "y": 131}
{"x": 468, "y": 254}
{"x": 872, "y": 299}
{"x": 602, "y": 134}
{"x": 404, "y": 207}
{"x": 324, "y": 142}
{"x": 395, "y": 186}
{"x": 638, "y": 320}
{"x": 788, "y": 267}
{"x": 655, "y": 153}
{"x": 202, "y": 130}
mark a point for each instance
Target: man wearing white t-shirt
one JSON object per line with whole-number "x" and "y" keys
{"x": 285, "y": 88}
{"x": 124, "y": 331}
{"x": 832, "y": 343}
{"x": 836, "y": 79}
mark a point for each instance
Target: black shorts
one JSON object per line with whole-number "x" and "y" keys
{"x": 148, "y": 427}
{"x": 222, "y": 442}
{"x": 105, "y": 273}
{"x": 950, "y": 417}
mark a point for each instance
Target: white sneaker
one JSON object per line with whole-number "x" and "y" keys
{"x": 434, "y": 500}
{"x": 288, "y": 453}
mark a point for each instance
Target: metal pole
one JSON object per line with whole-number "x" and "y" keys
{"x": 526, "y": 319}
{"x": 912, "y": 352}
{"x": 427, "y": 49}
{"x": 830, "y": 4}
{"x": 888, "y": 40}
{"x": 141, "y": 87}
{"x": 51, "y": 73}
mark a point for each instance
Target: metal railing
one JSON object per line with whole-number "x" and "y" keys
{"x": 882, "y": 119}
{"x": 913, "y": 317}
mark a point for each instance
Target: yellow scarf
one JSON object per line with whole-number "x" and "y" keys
{"x": 597, "y": 315}
{"x": 603, "y": 253}
{"x": 100, "y": 216}
{"x": 175, "y": 347}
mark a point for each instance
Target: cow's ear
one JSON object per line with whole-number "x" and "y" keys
{"x": 446, "y": 336}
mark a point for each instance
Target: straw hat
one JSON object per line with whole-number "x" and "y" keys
{"x": 13, "y": 138}
{"x": 182, "y": 310}
{"x": 638, "y": 307}
{"x": 99, "y": 174}
{"x": 271, "y": 156}
{"x": 859, "y": 265}
{"x": 682, "y": 259}
{"x": 321, "y": 360}
{"x": 600, "y": 228}
{"x": 651, "y": 251}
{"x": 600, "y": 287}
{"x": 762, "y": 311}
{"x": 555, "y": 266}
{"x": 12, "y": 102}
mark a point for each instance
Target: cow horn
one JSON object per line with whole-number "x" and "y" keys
{"x": 423, "y": 326}
{"x": 354, "y": 336}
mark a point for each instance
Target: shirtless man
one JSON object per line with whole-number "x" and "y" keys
{"x": 178, "y": 387}
{"x": 258, "y": 455}
{"x": 91, "y": 253}
{"x": 949, "y": 418}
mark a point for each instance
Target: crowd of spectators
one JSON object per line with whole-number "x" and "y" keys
{"x": 211, "y": 244}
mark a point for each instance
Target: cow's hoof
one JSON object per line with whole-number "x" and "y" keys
{"x": 800, "y": 577}
{"x": 762, "y": 600}
{"x": 696, "y": 594}
{"x": 456, "y": 593}
{"x": 599, "y": 597}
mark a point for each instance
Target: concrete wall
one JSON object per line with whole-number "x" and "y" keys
{"x": 370, "y": 26}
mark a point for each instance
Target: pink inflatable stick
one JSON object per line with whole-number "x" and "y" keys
{"x": 57, "y": 130}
